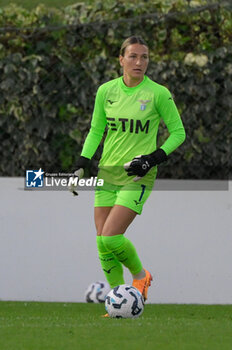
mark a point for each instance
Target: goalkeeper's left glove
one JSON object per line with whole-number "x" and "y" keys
{"x": 140, "y": 165}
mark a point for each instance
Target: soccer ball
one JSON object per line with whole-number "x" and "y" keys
{"x": 124, "y": 301}
{"x": 97, "y": 292}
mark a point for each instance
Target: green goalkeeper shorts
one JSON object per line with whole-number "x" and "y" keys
{"x": 132, "y": 196}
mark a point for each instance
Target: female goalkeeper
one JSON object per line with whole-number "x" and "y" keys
{"x": 131, "y": 107}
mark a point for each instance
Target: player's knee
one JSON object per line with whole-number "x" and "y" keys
{"x": 109, "y": 245}
{"x": 108, "y": 231}
{"x": 112, "y": 243}
{"x": 99, "y": 227}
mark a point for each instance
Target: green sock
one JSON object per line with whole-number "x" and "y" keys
{"x": 124, "y": 251}
{"x": 112, "y": 268}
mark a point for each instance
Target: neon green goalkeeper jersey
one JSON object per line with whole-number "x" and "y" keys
{"x": 132, "y": 116}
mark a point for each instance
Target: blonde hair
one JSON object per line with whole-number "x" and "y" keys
{"x": 131, "y": 40}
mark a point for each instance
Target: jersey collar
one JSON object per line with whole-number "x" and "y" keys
{"x": 130, "y": 90}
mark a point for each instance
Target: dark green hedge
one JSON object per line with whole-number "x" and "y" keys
{"x": 51, "y": 63}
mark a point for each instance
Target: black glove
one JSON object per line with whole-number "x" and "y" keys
{"x": 140, "y": 165}
{"x": 82, "y": 163}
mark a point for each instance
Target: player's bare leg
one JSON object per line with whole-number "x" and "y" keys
{"x": 100, "y": 216}
{"x": 118, "y": 220}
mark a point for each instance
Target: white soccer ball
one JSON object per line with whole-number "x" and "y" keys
{"x": 124, "y": 301}
{"x": 97, "y": 292}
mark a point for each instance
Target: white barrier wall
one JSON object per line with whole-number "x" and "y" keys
{"x": 48, "y": 252}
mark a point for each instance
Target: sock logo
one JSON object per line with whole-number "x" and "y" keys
{"x": 107, "y": 259}
{"x": 108, "y": 271}
{"x": 118, "y": 255}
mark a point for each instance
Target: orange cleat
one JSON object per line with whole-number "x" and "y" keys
{"x": 106, "y": 315}
{"x": 143, "y": 284}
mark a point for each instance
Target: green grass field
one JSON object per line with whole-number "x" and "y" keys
{"x": 69, "y": 326}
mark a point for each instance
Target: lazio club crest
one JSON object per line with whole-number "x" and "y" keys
{"x": 143, "y": 104}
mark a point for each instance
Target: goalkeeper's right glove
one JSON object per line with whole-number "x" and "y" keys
{"x": 82, "y": 163}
